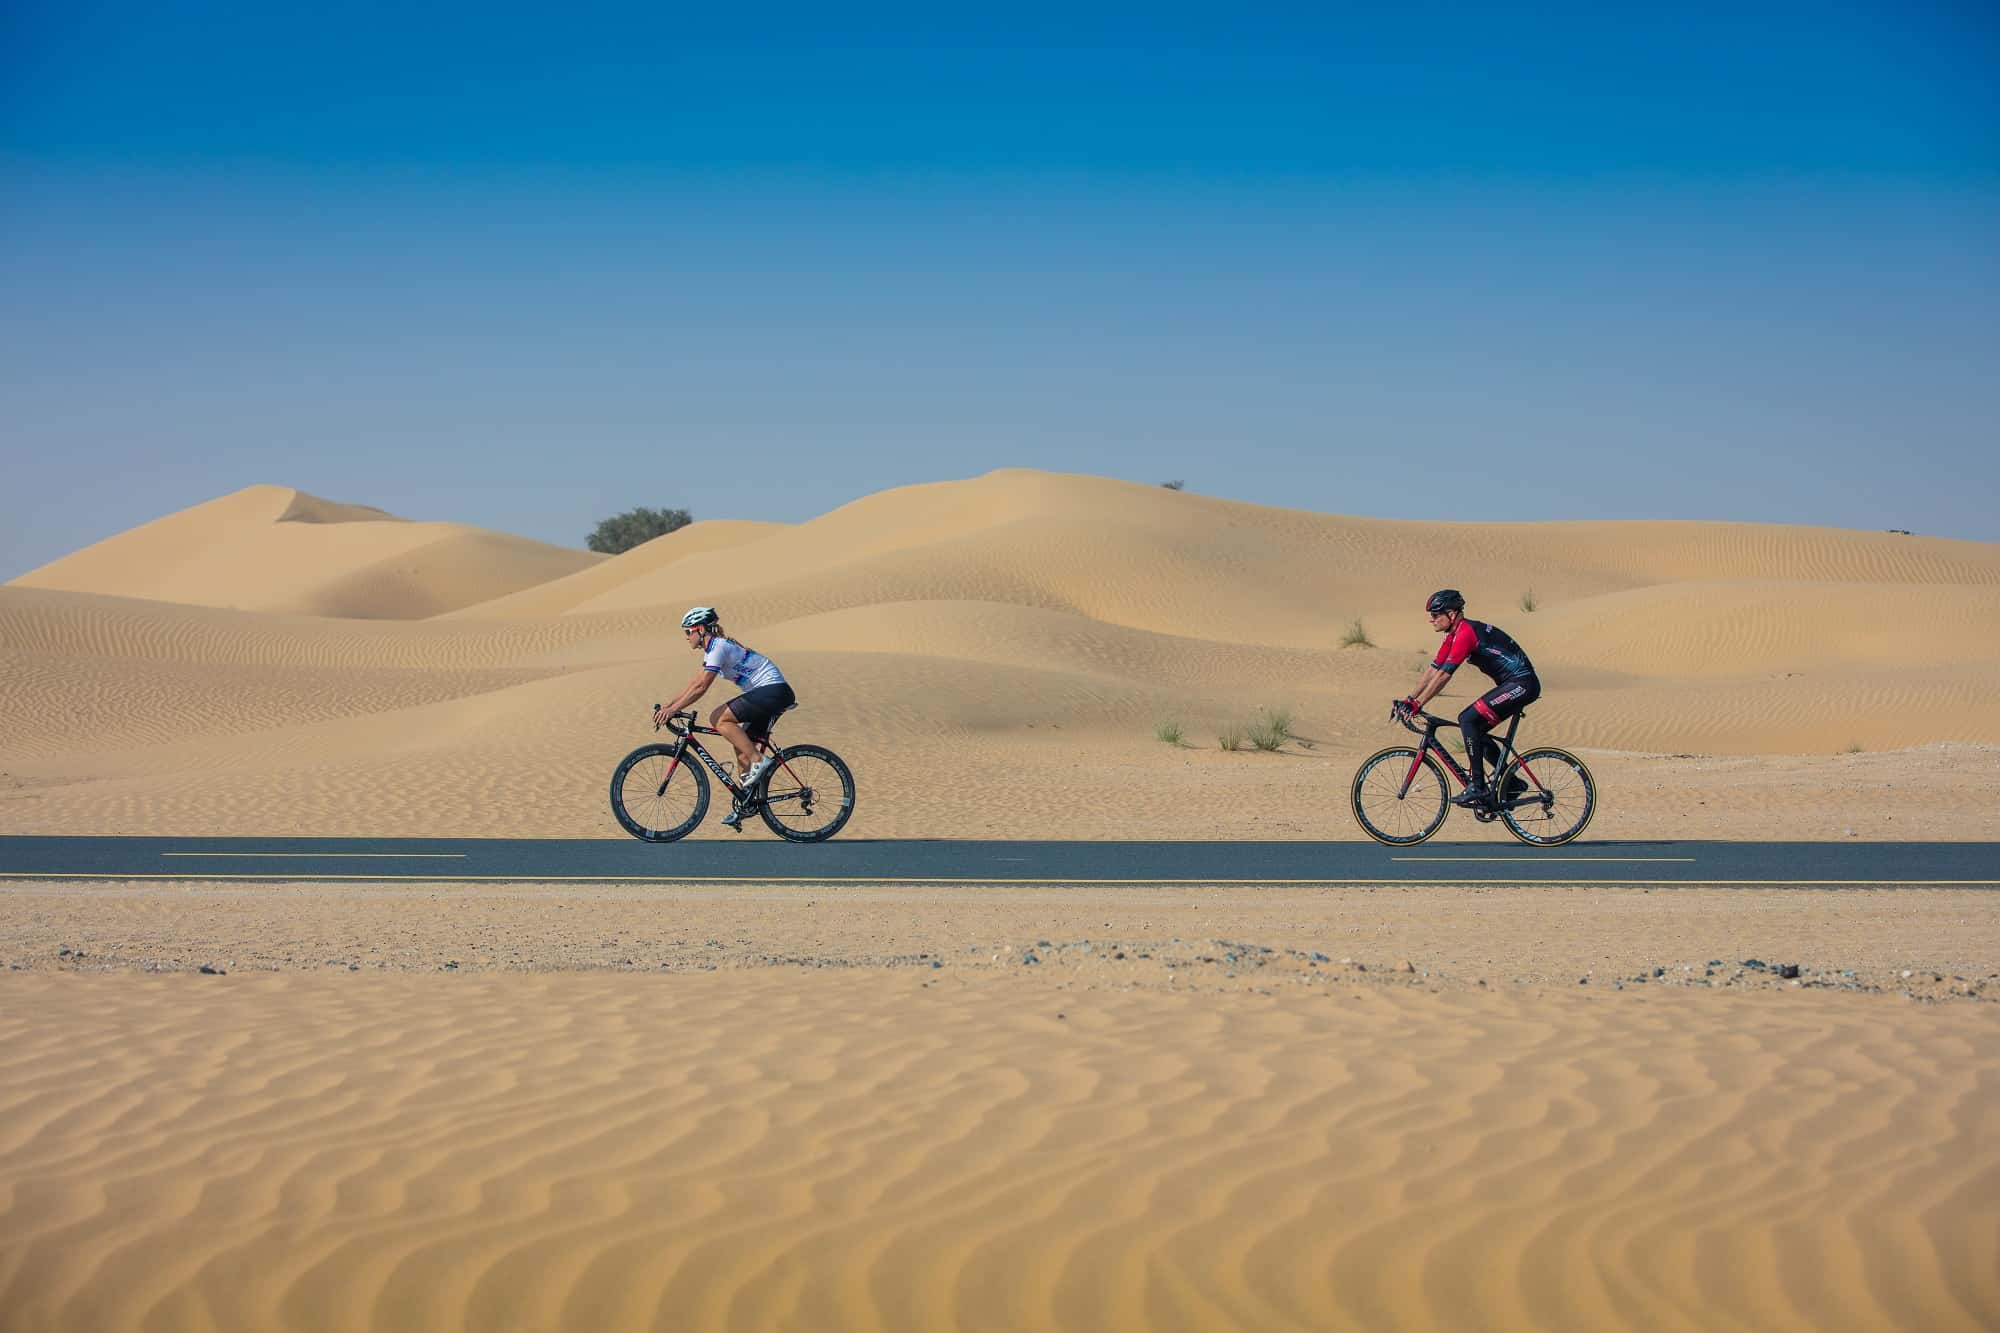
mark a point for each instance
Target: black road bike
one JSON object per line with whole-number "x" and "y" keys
{"x": 1544, "y": 797}
{"x": 659, "y": 793}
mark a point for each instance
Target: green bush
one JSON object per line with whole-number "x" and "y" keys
{"x": 1173, "y": 485}
{"x": 635, "y": 527}
{"x": 1356, "y": 636}
{"x": 1231, "y": 738}
{"x": 1528, "y": 602}
{"x": 1272, "y": 728}
{"x": 1170, "y": 732}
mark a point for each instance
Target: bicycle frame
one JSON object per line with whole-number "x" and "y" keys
{"x": 726, "y": 776}
{"x": 723, "y": 774}
{"x": 1507, "y": 752}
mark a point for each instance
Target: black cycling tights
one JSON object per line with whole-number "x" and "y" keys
{"x": 1488, "y": 711}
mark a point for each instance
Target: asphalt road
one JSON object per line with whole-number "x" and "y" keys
{"x": 762, "y": 860}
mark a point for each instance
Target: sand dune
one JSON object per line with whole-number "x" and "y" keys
{"x": 1147, "y": 558}
{"x": 270, "y": 548}
{"x": 639, "y": 564}
{"x": 252, "y": 663}
{"x": 1702, "y": 628}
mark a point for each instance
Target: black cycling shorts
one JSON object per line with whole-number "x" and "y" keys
{"x": 757, "y": 709}
{"x": 1504, "y": 700}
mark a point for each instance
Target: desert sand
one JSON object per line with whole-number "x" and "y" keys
{"x": 275, "y": 663}
{"x": 686, "y": 1107}
{"x": 912, "y": 1107}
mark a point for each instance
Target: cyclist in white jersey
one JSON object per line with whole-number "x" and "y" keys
{"x": 747, "y": 718}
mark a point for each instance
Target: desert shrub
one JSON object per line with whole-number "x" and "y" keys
{"x": 1170, "y": 732}
{"x": 1272, "y": 728}
{"x": 622, "y": 532}
{"x": 1174, "y": 485}
{"x": 1231, "y": 738}
{"x": 1528, "y": 602}
{"x": 1356, "y": 636}
{"x": 1854, "y": 747}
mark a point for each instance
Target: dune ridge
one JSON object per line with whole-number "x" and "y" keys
{"x": 562, "y": 595}
{"x": 1030, "y": 628}
{"x": 272, "y": 548}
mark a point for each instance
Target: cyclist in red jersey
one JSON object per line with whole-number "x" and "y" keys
{"x": 1494, "y": 652}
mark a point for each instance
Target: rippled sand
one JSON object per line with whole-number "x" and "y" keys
{"x": 907, "y": 1150}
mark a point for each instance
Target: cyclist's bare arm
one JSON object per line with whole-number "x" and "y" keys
{"x": 685, "y": 699}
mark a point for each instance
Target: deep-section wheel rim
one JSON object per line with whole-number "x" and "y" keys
{"x": 656, "y": 800}
{"x": 1399, "y": 821}
{"x": 1559, "y": 802}
{"x": 808, "y": 795}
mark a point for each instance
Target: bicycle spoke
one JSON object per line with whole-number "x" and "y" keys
{"x": 655, "y": 798}
{"x": 1560, "y": 800}
{"x": 1386, "y": 810}
{"x": 808, "y": 795}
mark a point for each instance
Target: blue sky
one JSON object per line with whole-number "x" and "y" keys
{"x": 1446, "y": 261}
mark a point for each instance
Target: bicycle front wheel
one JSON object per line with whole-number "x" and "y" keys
{"x": 1560, "y": 798}
{"x": 808, "y": 795}
{"x": 658, "y": 796}
{"x": 1400, "y": 796}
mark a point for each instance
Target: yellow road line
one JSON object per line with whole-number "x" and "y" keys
{"x": 330, "y": 856}
{"x": 942, "y": 879}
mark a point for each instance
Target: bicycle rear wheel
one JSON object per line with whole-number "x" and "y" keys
{"x": 655, "y": 798}
{"x": 1387, "y": 812}
{"x": 808, "y": 794}
{"x": 1561, "y": 797}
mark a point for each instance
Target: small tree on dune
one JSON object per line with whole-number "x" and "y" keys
{"x": 634, "y": 527}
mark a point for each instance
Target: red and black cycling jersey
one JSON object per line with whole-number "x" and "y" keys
{"x": 1487, "y": 647}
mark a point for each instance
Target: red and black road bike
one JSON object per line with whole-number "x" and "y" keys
{"x": 1401, "y": 797}
{"x": 659, "y": 793}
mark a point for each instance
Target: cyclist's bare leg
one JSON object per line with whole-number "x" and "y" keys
{"x": 739, "y": 740}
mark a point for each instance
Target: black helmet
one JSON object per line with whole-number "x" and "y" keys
{"x": 1445, "y": 599}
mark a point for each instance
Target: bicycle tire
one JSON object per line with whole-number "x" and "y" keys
{"x": 1568, "y": 798}
{"x": 798, "y": 781}
{"x": 1427, "y": 802}
{"x": 635, "y": 775}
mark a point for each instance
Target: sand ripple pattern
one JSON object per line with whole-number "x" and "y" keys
{"x": 752, "y": 1151}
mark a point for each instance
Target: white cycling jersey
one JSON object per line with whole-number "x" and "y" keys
{"x": 746, "y": 667}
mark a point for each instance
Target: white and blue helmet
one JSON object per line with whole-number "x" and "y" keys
{"x": 700, "y": 615}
